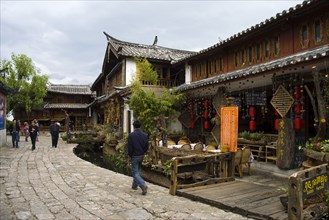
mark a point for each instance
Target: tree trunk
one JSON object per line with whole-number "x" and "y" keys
{"x": 321, "y": 132}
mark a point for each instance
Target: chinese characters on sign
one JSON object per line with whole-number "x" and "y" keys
{"x": 229, "y": 127}
{"x": 315, "y": 185}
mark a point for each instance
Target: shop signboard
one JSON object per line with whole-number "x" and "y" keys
{"x": 229, "y": 127}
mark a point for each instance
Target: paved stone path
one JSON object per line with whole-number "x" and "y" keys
{"x": 53, "y": 183}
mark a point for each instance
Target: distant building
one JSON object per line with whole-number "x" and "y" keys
{"x": 60, "y": 100}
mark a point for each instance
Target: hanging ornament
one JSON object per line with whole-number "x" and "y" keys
{"x": 206, "y": 124}
{"x": 276, "y": 124}
{"x": 298, "y": 108}
{"x": 252, "y": 111}
{"x": 298, "y": 92}
{"x": 298, "y": 124}
{"x": 252, "y": 125}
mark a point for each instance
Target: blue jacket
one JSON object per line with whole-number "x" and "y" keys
{"x": 137, "y": 143}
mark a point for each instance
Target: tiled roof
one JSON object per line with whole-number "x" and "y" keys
{"x": 146, "y": 51}
{"x": 70, "y": 89}
{"x": 309, "y": 55}
{"x": 6, "y": 90}
{"x": 66, "y": 106}
{"x": 267, "y": 22}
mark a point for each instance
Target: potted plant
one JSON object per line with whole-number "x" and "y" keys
{"x": 317, "y": 149}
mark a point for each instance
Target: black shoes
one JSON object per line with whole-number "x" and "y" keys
{"x": 144, "y": 190}
{"x": 134, "y": 187}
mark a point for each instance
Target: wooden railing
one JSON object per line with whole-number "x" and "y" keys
{"x": 220, "y": 167}
{"x": 161, "y": 82}
{"x": 305, "y": 184}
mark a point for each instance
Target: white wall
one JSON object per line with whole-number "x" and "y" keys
{"x": 3, "y": 137}
{"x": 188, "y": 74}
{"x": 130, "y": 70}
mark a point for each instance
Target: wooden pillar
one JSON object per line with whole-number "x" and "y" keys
{"x": 286, "y": 144}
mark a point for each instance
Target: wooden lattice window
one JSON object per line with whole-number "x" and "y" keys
{"x": 221, "y": 64}
{"x": 267, "y": 49}
{"x": 258, "y": 52}
{"x": 317, "y": 31}
{"x": 236, "y": 58}
{"x": 243, "y": 56}
{"x": 250, "y": 54}
{"x": 304, "y": 36}
{"x": 276, "y": 45}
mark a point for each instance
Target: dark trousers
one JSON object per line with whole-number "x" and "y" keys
{"x": 15, "y": 138}
{"x": 33, "y": 139}
{"x": 54, "y": 140}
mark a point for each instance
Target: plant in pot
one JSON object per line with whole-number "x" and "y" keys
{"x": 316, "y": 150}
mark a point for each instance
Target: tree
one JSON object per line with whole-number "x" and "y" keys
{"x": 25, "y": 78}
{"x": 148, "y": 106}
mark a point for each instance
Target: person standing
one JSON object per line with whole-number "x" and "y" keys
{"x": 33, "y": 130}
{"x": 54, "y": 131}
{"x": 26, "y": 130}
{"x": 137, "y": 147}
{"x": 15, "y": 129}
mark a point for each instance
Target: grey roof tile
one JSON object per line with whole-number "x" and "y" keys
{"x": 65, "y": 106}
{"x": 147, "y": 51}
{"x": 70, "y": 89}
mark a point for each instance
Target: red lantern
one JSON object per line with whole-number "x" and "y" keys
{"x": 298, "y": 92}
{"x": 206, "y": 114}
{"x": 276, "y": 124}
{"x": 252, "y": 111}
{"x": 298, "y": 123}
{"x": 298, "y": 108}
{"x": 206, "y": 124}
{"x": 252, "y": 125}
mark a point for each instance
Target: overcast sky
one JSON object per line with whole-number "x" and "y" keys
{"x": 66, "y": 42}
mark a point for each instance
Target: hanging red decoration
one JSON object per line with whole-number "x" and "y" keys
{"x": 298, "y": 123}
{"x": 192, "y": 124}
{"x": 206, "y": 124}
{"x": 298, "y": 108}
{"x": 252, "y": 111}
{"x": 252, "y": 125}
{"x": 206, "y": 114}
{"x": 276, "y": 124}
{"x": 298, "y": 92}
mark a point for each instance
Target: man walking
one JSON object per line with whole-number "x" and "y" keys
{"x": 54, "y": 131}
{"x": 15, "y": 129}
{"x": 137, "y": 147}
{"x": 33, "y": 130}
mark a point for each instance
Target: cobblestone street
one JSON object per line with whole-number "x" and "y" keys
{"x": 53, "y": 183}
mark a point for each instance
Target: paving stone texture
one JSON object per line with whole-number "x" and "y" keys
{"x": 53, "y": 183}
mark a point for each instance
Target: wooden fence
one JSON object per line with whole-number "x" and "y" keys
{"x": 305, "y": 184}
{"x": 220, "y": 168}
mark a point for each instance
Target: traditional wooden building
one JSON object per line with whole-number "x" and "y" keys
{"x": 119, "y": 68}
{"x": 63, "y": 101}
{"x": 268, "y": 71}
{"x": 69, "y": 101}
